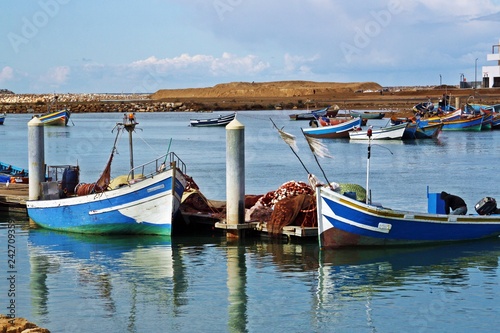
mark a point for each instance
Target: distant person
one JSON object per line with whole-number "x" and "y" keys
{"x": 455, "y": 203}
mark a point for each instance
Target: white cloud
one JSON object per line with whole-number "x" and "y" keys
{"x": 6, "y": 74}
{"x": 297, "y": 64}
{"x": 204, "y": 64}
{"x": 56, "y": 76}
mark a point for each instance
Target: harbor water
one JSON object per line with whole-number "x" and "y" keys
{"x": 80, "y": 283}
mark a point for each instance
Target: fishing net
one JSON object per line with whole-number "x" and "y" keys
{"x": 293, "y": 203}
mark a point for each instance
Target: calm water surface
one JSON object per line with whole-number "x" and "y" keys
{"x": 77, "y": 283}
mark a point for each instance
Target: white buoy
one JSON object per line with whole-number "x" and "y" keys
{"x": 36, "y": 158}
{"x": 235, "y": 174}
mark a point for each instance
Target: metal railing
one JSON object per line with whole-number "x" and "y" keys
{"x": 157, "y": 166}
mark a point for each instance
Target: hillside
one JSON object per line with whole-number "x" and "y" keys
{"x": 309, "y": 94}
{"x": 278, "y": 89}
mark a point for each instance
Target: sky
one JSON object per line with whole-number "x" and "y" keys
{"x": 71, "y": 46}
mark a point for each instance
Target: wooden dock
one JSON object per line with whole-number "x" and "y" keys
{"x": 13, "y": 197}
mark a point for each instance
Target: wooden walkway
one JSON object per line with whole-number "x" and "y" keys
{"x": 13, "y": 197}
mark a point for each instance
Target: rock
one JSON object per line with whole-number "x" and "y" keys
{"x": 19, "y": 325}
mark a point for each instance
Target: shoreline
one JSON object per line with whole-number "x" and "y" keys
{"x": 286, "y": 95}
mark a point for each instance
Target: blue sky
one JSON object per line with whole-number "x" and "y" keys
{"x": 70, "y": 46}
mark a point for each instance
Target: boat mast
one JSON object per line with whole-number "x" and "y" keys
{"x": 369, "y": 134}
{"x": 129, "y": 123}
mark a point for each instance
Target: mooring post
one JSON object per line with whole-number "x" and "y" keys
{"x": 36, "y": 158}
{"x": 457, "y": 102}
{"x": 235, "y": 175}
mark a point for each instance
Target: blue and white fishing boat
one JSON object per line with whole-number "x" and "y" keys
{"x": 144, "y": 202}
{"x": 394, "y": 132}
{"x": 344, "y": 221}
{"x": 2, "y": 118}
{"x": 347, "y": 217}
{"x": 338, "y": 130}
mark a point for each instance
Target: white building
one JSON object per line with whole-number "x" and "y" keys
{"x": 491, "y": 74}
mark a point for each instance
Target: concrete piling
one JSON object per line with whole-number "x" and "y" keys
{"x": 235, "y": 176}
{"x": 36, "y": 158}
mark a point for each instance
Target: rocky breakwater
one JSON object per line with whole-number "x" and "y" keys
{"x": 85, "y": 103}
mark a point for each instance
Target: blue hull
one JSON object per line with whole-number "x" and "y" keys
{"x": 463, "y": 124}
{"x": 346, "y": 222}
{"x": 334, "y": 131}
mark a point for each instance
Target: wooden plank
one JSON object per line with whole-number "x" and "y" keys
{"x": 13, "y": 196}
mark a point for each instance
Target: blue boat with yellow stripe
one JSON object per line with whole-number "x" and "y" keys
{"x": 56, "y": 118}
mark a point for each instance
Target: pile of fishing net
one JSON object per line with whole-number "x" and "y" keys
{"x": 293, "y": 203}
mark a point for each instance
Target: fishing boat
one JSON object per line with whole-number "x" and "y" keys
{"x": 56, "y": 118}
{"x": 418, "y": 130}
{"x": 339, "y": 130}
{"x": 143, "y": 202}
{"x": 12, "y": 174}
{"x": 221, "y": 120}
{"x": 2, "y": 118}
{"x": 495, "y": 122}
{"x": 453, "y": 115}
{"x": 470, "y": 123}
{"x": 345, "y": 221}
{"x": 424, "y": 108}
{"x": 429, "y": 131}
{"x": 347, "y": 217}
{"x": 393, "y": 132}
{"x": 314, "y": 114}
{"x": 367, "y": 114}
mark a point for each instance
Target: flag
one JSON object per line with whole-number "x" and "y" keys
{"x": 289, "y": 140}
{"x": 318, "y": 148}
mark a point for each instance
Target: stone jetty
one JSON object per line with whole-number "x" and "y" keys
{"x": 86, "y": 103}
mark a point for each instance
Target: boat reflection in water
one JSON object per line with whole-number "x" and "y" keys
{"x": 142, "y": 279}
{"x": 403, "y": 275}
{"x": 99, "y": 270}
{"x": 153, "y": 283}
